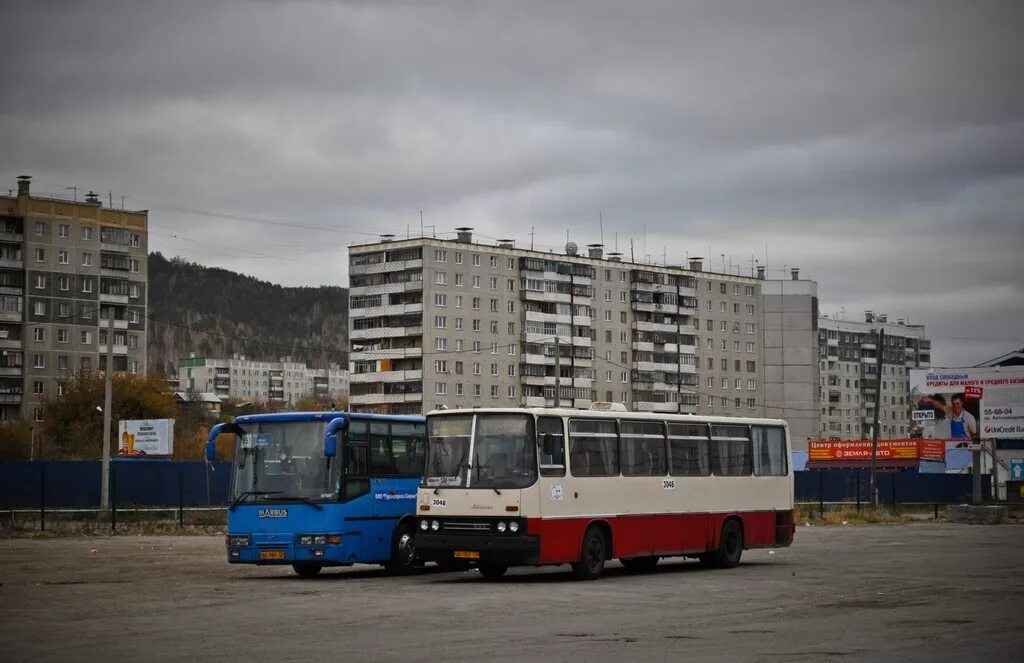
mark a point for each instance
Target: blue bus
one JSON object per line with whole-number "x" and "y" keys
{"x": 316, "y": 489}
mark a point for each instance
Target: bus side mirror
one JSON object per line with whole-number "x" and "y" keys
{"x": 211, "y": 439}
{"x": 330, "y": 446}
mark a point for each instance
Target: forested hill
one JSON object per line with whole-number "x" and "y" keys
{"x": 216, "y": 313}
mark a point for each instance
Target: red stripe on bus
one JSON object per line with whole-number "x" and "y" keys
{"x": 659, "y": 534}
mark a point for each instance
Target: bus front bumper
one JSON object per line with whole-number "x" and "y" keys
{"x": 494, "y": 549}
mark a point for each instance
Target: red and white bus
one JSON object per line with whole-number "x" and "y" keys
{"x": 533, "y": 486}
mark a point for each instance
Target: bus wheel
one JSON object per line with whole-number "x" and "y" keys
{"x": 730, "y": 547}
{"x": 403, "y": 552}
{"x": 492, "y": 571}
{"x": 307, "y": 569}
{"x": 640, "y": 563}
{"x": 592, "y": 555}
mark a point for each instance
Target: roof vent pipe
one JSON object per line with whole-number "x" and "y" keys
{"x": 464, "y": 235}
{"x": 697, "y": 264}
{"x": 595, "y": 250}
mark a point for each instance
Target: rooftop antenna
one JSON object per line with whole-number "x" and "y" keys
{"x": 631, "y": 258}
{"x": 531, "y": 237}
{"x": 600, "y": 219}
{"x": 74, "y": 190}
{"x": 616, "y": 241}
{"x": 421, "y": 223}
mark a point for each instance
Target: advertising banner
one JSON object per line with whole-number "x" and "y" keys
{"x": 146, "y": 437}
{"x": 986, "y": 402}
{"x": 887, "y": 449}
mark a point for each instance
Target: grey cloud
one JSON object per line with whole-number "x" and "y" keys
{"x": 877, "y": 145}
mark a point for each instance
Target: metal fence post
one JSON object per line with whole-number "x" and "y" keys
{"x": 42, "y": 497}
{"x": 181, "y": 497}
{"x": 821, "y": 493}
{"x": 894, "y": 506}
{"x": 858, "y": 491}
{"x": 113, "y": 500}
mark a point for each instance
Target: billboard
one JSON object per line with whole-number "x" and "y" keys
{"x": 145, "y": 437}
{"x": 830, "y": 450}
{"x": 987, "y": 402}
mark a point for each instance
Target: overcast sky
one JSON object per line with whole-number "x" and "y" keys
{"x": 878, "y": 146}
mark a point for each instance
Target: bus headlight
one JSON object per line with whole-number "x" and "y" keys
{"x": 424, "y": 525}
{"x": 434, "y": 525}
{"x": 305, "y": 540}
{"x": 238, "y": 541}
{"x": 320, "y": 540}
{"x": 501, "y": 526}
{"x": 513, "y": 527}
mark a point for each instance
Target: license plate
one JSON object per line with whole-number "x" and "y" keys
{"x": 271, "y": 554}
{"x": 467, "y": 554}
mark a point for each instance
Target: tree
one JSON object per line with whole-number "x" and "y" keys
{"x": 74, "y": 427}
{"x": 15, "y": 440}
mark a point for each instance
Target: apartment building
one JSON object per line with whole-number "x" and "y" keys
{"x": 849, "y": 357}
{"x": 66, "y": 267}
{"x": 283, "y": 381}
{"x": 436, "y": 322}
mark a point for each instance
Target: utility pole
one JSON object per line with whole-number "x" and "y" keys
{"x": 878, "y": 404}
{"x": 107, "y": 398}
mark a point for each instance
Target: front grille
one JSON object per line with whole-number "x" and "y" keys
{"x": 466, "y": 527}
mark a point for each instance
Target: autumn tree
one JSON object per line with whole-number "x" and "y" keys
{"x": 74, "y": 427}
{"x": 15, "y": 440}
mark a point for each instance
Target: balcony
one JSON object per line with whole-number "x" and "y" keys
{"x": 389, "y": 353}
{"x": 386, "y": 376}
{"x": 384, "y": 332}
{"x": 655, "y": 326}
{"x": 386, "y": 288}
{"x": 651, "y": 307}
{"x": 9, "y": 263}
{"x": 10, "y": 316}
{"x": 107, "y": 298}
{"x": 535, "y": 401}
{"x": 118, "y": 349}
{"x": 10, "y": 343}
{"x": 380, "y": 267}
{"x": 10, "y": 399}
{"x": 9, "y": 371}
{"x": 377, "y": 399}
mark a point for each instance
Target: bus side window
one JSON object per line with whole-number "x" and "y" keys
{"x": 407, "y": 449}
{"x": 769, "y": 451}
{"x": 380, "y": 449}
{"x": 357, "y": 480}
{"x": 552, "y": 446}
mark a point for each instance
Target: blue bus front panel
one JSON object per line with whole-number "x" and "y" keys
{"x": 358, "y": 531}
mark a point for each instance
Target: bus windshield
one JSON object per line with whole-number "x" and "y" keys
{"x": 447, "y": 450}
{"x": 283, "y": 460}
{"x": 504, "y": 452}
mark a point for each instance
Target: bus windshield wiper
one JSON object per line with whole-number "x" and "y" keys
{"x": 300, "y": 498}
{"x": 462, "y": 464}
{"x": 252, "y": 493}
{"x": 476, "y": 460}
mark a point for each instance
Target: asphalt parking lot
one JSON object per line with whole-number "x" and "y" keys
{"x": 909, "y": 592}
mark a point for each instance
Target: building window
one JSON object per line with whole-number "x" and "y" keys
{"x": 40, "y": 255}
{"x": 440, "y": 255}
{"x": 40, "y": 282}
{"x": 476, "y": 263}
{"x": 458, "y": 261}
{"x": 476, "y": 281}
{"x": 494, "y": 305}
{"x": 86, "y": 285}
{"x": 39, "y": 334}
{"x": 494, "y": 262}
{"x": 38, "y": 361}
{"x": 511, "y": 306}
{"x": 64, "y": 283}
{"x": 750, "y": 309}
{"x": 440, "y": 344}
{"x": 441, "y": 278}
{"x": 39, "y": 308}
{"x": 476, "y": 387}
{"x": 458, "y": 301}
{"x": 86, "y": 337}
{"x": 86, "y": 233}
{"x": 40, "y": 228}
{"x": 460, "y": 280}
{"x": 37, "y": 414}
{"x": 64, "y": 257}
{"x": 440, "y": 300}
{"x": 62, "y": 335}
{"x": 494, "y": 391}
{"x": 511, "y": 391}
{"x": 441, "y": 388}
{"x": 86, "y": 260}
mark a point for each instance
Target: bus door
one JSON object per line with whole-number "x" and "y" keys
{"x": 355, "y": 490}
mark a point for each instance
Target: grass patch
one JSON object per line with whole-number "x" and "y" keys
{"x": 848, "y": 515}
